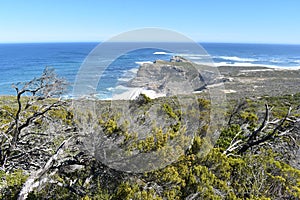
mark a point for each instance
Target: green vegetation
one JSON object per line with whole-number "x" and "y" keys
{"x": 255, "y": 156}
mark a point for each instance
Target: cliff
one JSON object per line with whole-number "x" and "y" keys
{"x": 178, "y": 76}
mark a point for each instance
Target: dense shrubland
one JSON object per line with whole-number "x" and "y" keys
{"x": 255, "y": 157}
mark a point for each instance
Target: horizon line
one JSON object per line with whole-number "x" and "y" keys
{"x": 203, "y": 42}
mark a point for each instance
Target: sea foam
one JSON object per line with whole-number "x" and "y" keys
{"x": 235, "y": 58}
{"x": 143, "y": 62}
{"x": 161, "y": 53}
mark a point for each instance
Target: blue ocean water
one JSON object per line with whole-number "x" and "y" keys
{"x": 270, "y": 55}
{"x": 22, "y": 62}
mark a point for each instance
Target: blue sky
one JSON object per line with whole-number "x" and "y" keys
{"x": 251, "y": 21}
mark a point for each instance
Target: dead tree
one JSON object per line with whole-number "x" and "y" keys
{"x": 37, "y": 141}
{"x": 23, "y": 142}
{"x": 266, "y": 133}
{"x": 38, "y": 177}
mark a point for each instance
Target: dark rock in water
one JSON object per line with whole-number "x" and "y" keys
{"x": 179, "y": 76}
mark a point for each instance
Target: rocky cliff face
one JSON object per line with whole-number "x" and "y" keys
{"x": 178, "y": 76}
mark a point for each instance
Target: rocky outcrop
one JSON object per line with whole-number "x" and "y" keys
{"x": 178, "y": 76}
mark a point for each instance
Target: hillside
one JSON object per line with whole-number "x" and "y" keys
{"x": 164, "y": 148}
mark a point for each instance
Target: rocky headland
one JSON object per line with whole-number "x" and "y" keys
{"x": 180, "y": 76}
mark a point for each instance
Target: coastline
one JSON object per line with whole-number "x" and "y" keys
{"x": 19, "y": 66}
{"x": 245, "y": 81}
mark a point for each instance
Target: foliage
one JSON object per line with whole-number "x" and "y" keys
{"x": 265, "y": 170}
{"x": 11, "y": 183}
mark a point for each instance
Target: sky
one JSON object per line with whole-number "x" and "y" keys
{"x": 230, "y": 21}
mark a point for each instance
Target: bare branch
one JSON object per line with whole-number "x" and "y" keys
{"x": 263, "y": 125}
{"x": 252, "y": 141}
{"x": 32, "y": 181}
{"x": 38, "y": 89}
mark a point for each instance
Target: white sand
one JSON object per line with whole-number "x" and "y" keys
{"x": 133, "y": 93}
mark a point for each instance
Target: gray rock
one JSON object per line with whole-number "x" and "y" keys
{"x": 178, "y": 76}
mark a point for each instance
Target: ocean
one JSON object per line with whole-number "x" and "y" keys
{"x": 22, "y": 62}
